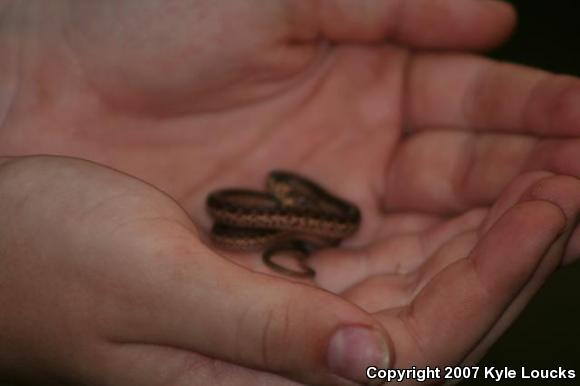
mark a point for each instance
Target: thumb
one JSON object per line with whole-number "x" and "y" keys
{"x": 448, "y": 24}
{"x": 223, "y": 311}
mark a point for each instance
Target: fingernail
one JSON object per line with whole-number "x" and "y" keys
{"x": 353, "y": 349}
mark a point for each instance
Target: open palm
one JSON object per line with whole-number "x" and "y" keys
{"x": 435, "y": 148}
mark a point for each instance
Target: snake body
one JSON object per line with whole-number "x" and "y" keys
{"x": 294, "y": 214}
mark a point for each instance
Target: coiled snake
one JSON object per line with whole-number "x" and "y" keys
{"x": 294, "y": 214}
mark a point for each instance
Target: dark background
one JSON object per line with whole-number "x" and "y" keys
{"x": 547, "y": 334}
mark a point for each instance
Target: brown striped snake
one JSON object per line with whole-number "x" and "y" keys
{"x": 294, "y": 215}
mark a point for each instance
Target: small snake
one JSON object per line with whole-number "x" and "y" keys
{"x": 294, "y": 215}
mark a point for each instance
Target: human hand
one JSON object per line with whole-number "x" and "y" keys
{"x": 105, "y": 281}
{"x": 337, "y": 113}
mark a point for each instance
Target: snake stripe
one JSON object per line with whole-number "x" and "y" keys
{"x": 294, "y": 214}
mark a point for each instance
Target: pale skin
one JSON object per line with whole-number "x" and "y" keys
{"x": 464, "y": 169}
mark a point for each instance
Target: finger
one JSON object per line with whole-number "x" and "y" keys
{"x": 565, "y": 193}
{"x": 512, "y": 194}
{"x": 448, "y": 242}
{"x": 455, "y": 310}
{"x": 223, "y": 311}
{"x": 472, "y": 93}
{"x": 472, "y": 171}
{"x": 469, "y": 24}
